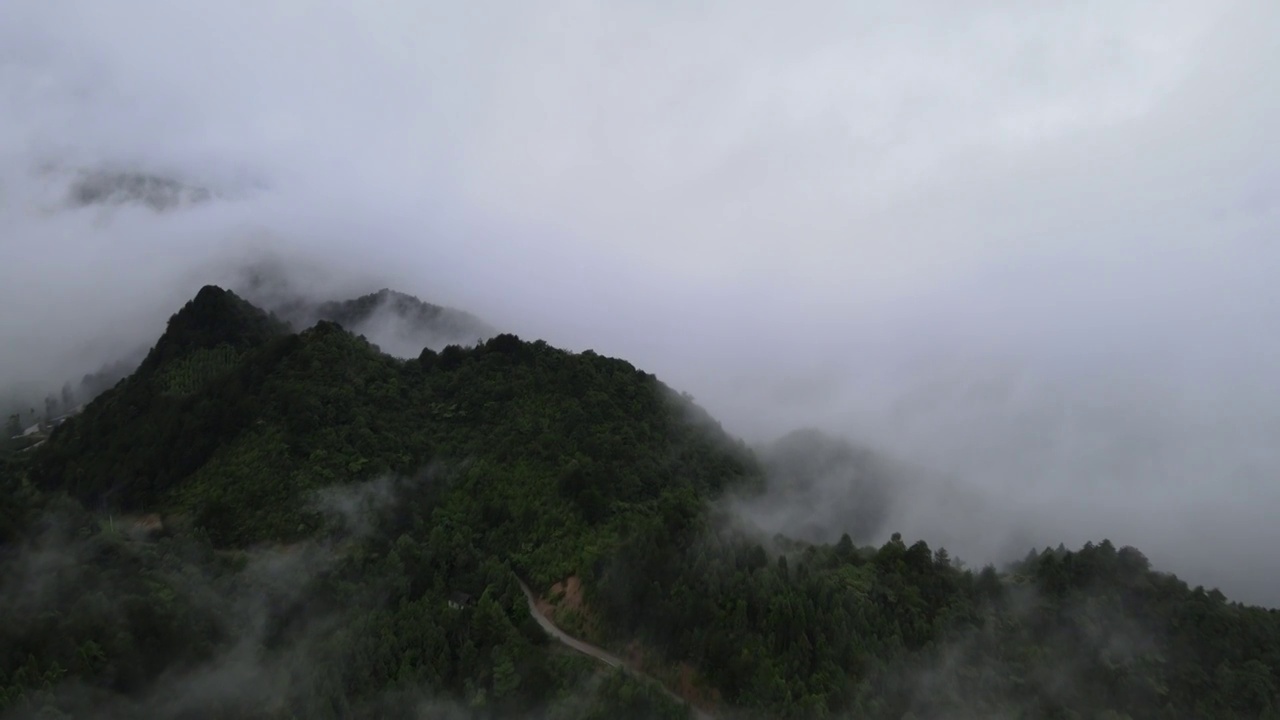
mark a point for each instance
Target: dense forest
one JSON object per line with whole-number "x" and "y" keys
{"x": 267, "y": 523}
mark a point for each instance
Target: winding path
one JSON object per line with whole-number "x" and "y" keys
{"x": 599, "y": 653}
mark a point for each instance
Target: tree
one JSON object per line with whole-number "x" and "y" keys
{"x": 505, "y": 679}
{"x": 844, "y": 548}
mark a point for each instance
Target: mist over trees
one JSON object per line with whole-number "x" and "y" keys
{"x": 260, "y": 522}
{"x": 966, "y": 237}
{"x": 533, "y": 298}
{"x": 820, "y": 487}
{"x": 400, "y": 324}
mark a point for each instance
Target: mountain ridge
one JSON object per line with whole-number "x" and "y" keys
{"x": 390, "y": 486}
{"x": 395, "y": 321}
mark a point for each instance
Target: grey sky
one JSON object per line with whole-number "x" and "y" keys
{"x": 1030, "y": 245}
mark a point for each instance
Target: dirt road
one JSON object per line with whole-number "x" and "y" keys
{"x": 595, "y": 652}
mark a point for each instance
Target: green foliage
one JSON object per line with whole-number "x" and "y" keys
{"x": 190, "y": 373}
{"x": 901, "y": 630}
{"x": 519, "y": 459}
{"x": 620, "y": 696}
{"x": 87, "y": 604}
{"x": 20, "y": 503}
{"x": 214, "y": 318}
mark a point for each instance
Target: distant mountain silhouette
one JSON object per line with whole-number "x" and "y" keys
{"x": 109, "y": 187}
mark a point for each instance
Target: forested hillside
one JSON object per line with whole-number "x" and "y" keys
{"x": 401, "y": 324}
{"x": 263, "y": 523}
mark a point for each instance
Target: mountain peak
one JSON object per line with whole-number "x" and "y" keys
{"x": 214, "y": 317}
{"x": 403, "y": 324}
{"x": 211, "y": 294}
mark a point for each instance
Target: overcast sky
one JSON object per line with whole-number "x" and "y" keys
{"x": 1030, "y": 245}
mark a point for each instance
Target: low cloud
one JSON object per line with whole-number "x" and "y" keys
{"x": 258, "y": 625}
{"x": 1028, "y": 250}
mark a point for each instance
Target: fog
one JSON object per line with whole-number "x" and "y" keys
{"x": 258, "y": 635}
{"x": 1029, "y": 249}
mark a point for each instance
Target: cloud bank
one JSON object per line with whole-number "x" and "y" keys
{"x": 1028, "y": 248}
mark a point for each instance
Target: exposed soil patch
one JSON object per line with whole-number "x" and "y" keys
{"x": 565, "y": 605}
{"x": 567, "y": 594}
{"x": 139, "y": 527}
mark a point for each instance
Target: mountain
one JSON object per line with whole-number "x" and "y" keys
{"x": 227, "y": 387}
{"x": 266, "y": 523}
{"x": 394, "y": 320}
{"x": 398, "y": 323}
{"x": 118, "y": 187}
{"x": 214, "y": 319}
